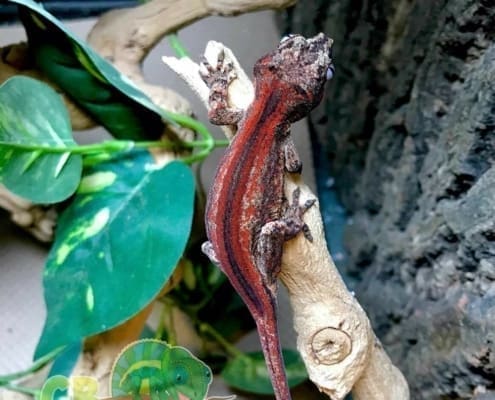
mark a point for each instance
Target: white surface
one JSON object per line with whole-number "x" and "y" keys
{"x": 21, "y": 301}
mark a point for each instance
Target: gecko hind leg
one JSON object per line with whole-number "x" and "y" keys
{"x": 292, "y": 221}
{"x": 299, "y": 210}
{"x": 275, "y": 233}
{"x": 218, "y": 79}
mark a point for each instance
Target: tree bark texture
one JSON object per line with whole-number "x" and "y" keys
{"x": 409, "y": 124}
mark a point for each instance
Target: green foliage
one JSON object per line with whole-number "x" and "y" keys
{"x": 204, "y": 290}
{"x": 248, "y": 372}
{"x": 116, "y": 245}
{"x": 108, "y": 96}
{"x": 32, "y": 114}
{"x": 121, "y": 236}
{"x": 65, "y": 361}
{"x": 63, "y": 365}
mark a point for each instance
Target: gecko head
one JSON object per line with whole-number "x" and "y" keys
{"x": 300, "y": 67}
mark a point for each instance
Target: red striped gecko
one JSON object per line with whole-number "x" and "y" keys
{"x": 247, "y": 217}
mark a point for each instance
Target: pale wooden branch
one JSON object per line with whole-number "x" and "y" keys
{"x": 125, "y": 36}
{"x": 335, "y": 337}
{"x": 37, "y": 220}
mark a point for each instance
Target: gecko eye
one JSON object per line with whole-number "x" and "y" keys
{"x": 330, "y": 72}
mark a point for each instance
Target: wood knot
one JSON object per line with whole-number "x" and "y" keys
{"x": 330, "y": 346}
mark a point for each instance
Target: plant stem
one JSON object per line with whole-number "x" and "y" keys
{"x": 166, "y": 322}
{"x": 188, "y": 122}
{"x": 40, "y": 363}
{"x": 206, "y": 328}
{"x": 229, "y": 347}
{"x": 180, "y": 50}
{"x": 21, "y": 389}
{"x": 111, "y": 146}
{"x": 172, "y": 333}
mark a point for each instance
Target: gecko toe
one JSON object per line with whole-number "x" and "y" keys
{"x": 308, "y": 204}
{"x": 295, "y": 196}
{"x": 220, "y": 58}
{"x": 307, "y": 233}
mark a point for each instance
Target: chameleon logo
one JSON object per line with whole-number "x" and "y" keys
{"x": 144, "y": 368}
{"x": 151, "y": 367}
{"x": 79, "y": 387}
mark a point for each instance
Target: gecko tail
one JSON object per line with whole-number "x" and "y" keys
{"x": 272, "y": 350}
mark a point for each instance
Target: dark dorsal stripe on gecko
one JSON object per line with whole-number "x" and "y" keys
{"x": 247, "y": 217}
{"x": 269, "y": 170}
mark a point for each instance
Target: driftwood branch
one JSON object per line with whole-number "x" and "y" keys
{"x": 335, "y": 337}
{"x": 39, "y": 221}
{"x": 125, "y": 36}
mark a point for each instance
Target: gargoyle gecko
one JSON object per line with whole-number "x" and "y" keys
{"x": 248, "y": 218}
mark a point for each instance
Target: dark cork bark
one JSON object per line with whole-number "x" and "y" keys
{"x": 409, "y": 124}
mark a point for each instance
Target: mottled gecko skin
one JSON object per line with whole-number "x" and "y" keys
{"x": 247, "y": 217}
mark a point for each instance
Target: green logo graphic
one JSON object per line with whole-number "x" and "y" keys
{"x": 79, "y": 387}
{"x": 161, "y": 371}
{"x": 148, "y": 367}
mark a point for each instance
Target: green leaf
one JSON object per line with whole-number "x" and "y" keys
{"x": 115, "y": 247}
{"x": 33, "y": 114}
{"x": 248, "y": 372}
{"x": 65, "y": 362}
{"x": 108, "y": 96}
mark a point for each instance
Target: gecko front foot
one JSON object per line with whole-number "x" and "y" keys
{"x": 222, "y": 74}
{"x": 218, "y": 79}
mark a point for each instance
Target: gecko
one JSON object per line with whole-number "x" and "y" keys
{"x": 247, "y": 216}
